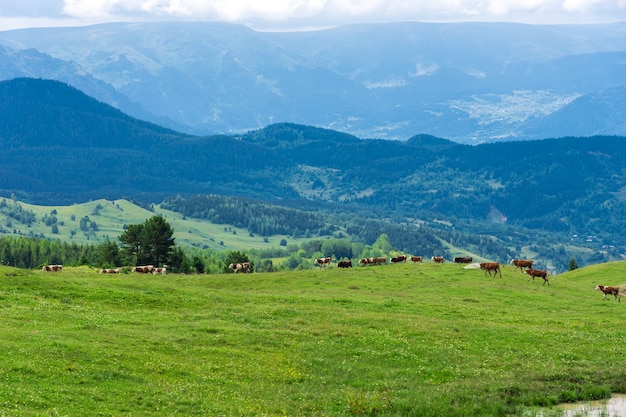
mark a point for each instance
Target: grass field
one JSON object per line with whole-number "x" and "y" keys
{"x": 395, "y": 340}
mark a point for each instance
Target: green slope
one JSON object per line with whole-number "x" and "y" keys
{"x": 111, "y": 216}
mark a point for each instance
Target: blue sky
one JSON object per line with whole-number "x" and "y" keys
{"x": 306, "y": 14}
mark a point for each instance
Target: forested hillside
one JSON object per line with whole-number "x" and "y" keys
{"x": 60, "y": 146}
{"x": 569, "y": 185}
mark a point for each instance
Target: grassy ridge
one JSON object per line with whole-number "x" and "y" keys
{"x": 111, "y": 216}
{"x": 397, "y": 340}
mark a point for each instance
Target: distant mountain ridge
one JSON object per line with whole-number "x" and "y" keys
{"x": 61, "y": 146}
{"x": 469, "y": 82}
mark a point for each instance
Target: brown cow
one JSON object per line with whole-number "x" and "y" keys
{"x": 344, "y": 264}
{"x": 241, "y": 267}
{"x": 322, "y": 262}
{"x": 614, "y": 291}
{"x": 380, "y": 260}
{"x": 437, "y": 259}
{"x": 399, "y": 258}
{"x": 415, "y": 259}
{"x": 538, "y": 273}
{"x": 52, "y": 268}
{"x": 491, "y": 266}
{"x": 157, "y": 271}
{"x": 522, "y": 263}
{"x": 143, "y": 269}
{"x": 466, "y": 260}
{"x": 110, "y": 271}
{"x": 366, "y": 261}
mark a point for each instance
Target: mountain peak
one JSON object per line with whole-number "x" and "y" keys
{"x": 291, "y": 134}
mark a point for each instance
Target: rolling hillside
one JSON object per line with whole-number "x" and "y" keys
{"x": 101, "y": 220}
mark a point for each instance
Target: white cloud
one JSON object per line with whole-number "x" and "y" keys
{"x": 230, "y": 10}
{"x": 314, "y": 13}
{"x": 578, "y": 6}
{"x": 88, "y": 9}
{"x": 422, "y": 70}
{"x": 334, "y": 10}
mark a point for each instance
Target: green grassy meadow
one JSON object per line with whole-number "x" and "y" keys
{"x": 394, "y": 340}
{"x": 111, "y": 216}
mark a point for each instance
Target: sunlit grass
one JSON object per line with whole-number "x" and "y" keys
{"x": 398, "y": 340}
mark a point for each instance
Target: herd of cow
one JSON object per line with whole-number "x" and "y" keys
{"x": 144, "y": 269}
{"x": 149, "y": 269}
{"x": 488, "y": 267}
{"x": 379, "y": 260}
{"x": 524, "y": 265}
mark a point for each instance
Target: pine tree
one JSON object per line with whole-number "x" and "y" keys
{"x": 109, "y": 254}
{"x": 157, "y": 238}
{"x": 131, "y": 243}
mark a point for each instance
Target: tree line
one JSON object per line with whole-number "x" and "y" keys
{"x": 152, "y": 242}
{"x": 349, "y": 234}
{"x": 268, "y": 219}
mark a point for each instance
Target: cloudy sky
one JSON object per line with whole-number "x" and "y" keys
{"x": 305, "y": 14}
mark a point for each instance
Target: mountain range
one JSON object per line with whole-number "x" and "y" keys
{"x": 468, "y": 82}
{"x": 61, "y": 146}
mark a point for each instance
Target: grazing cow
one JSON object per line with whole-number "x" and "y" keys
{"x": 522, "y": 263}
{"x": 491, "y": 266}
{"x": 614, "y": 291}
{"x": 437, "y": 259}
{"x": 110, "y": 271}
{"x": 143, "y": 269}
{"x": 242, "y": 267}
{"x": 344, "y": 264}
{"x": 380, "y": 260}
{"x": 162, "y": 271}
{"x": 538, "y": 273}
{"x": 52, "y": 268}
{"x": 373, "y": 261}
{"x": 466, "y": 260}
{"x": 366, "y": 261}
{"x": 322, "y": 262}
{"x": 415, "y": 259}
{"x": 399, "y": 258}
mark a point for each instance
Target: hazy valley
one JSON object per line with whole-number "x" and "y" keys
{"x": 468, "y": 82}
